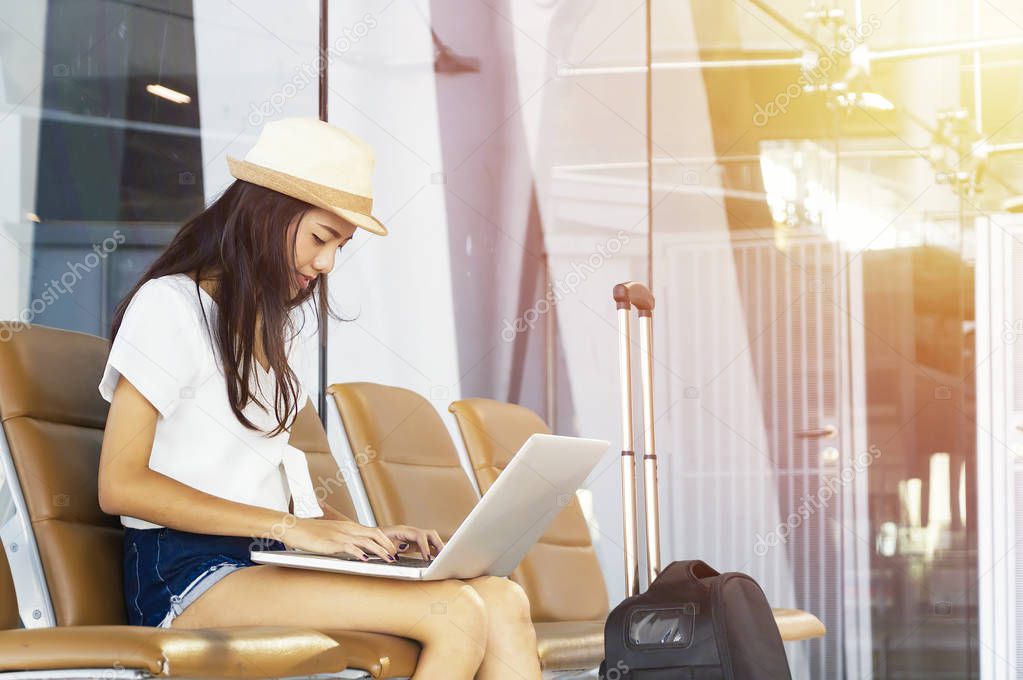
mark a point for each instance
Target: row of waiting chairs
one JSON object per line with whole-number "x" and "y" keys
{"x": 53, "y": 419}
{"x": 412, "y": 474}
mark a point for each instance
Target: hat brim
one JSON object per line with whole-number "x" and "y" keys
{"x": 319, "y": 195}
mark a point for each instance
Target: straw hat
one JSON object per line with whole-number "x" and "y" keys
{"x": 315, "y": 162}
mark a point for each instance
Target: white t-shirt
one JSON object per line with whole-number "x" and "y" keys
{"x": 164, "y": 350}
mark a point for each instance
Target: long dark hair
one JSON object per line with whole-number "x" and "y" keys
{"x": 240, "y": 240}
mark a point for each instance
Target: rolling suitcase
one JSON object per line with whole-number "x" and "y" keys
{"x": 692, "y": 623}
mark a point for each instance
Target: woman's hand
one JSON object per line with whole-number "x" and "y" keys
{"x": 424, "y": 538}
{"x": 333, "y": 536}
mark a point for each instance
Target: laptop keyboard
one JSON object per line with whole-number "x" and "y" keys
{"x": 403, "y": 560}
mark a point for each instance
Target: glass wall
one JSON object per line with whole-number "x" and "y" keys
{"x": 822, "y": 175}
{"x": 118, "y": 117}
{"x": 827, "y": 213}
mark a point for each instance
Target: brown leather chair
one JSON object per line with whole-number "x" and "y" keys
{"x": 412, "y": 475}
{"x": 561, "y": 571}
{"x": 244, "y": 652}
{"x": 53, "y": 419}
{"x": 384, "y": 656}
{"x": 493, "y": 431}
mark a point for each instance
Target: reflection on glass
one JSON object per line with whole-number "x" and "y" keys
{"x": 673, "y": 626}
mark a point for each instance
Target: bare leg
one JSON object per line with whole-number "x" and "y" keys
{"x": 511, "y": 638}
{"x": 448, "y": 618}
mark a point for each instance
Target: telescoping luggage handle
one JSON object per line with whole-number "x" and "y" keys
{"x": 628, "y": 295}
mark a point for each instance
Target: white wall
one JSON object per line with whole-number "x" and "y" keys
{"x": 397, "y": 288}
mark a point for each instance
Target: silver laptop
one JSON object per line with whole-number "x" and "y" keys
{"x": 537, "y": 484}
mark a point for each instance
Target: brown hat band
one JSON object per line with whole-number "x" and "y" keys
{"x": 297, "y": 186}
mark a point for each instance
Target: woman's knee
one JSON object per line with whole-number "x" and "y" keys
{"x": 457, "y": 603}
{"x": 504, "y": 598}
{"x": 470, "y": 605}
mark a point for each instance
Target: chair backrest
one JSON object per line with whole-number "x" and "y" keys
{"x": 561, "y": 573}
{"x": 53, "y": 418}
{"x": 408, "y": 463}
{"x": 9, "y": 616}
{"x": 412, "y": 475}
{"x": 330, "y": 484}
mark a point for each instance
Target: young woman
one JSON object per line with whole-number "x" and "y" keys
{"x": 202, "y": 399}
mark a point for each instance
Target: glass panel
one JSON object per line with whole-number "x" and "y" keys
{"x": 814, "y": 277}
{"x": 118, "y": 117}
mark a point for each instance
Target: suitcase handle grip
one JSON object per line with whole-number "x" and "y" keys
{"x": 826, "y": 432}
{"x": 634, "y": 294}
{"x": 628, "y": 295}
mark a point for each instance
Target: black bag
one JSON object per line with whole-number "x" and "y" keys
{"x": 693, "y": 623}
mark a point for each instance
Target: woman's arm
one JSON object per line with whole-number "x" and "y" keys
{"x": 127, "y": 486}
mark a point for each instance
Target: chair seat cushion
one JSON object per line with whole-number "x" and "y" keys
{"x": 570, "y": 645}
{"x": 233, "y": 652}
{"x": 382, "y": 656}
{"x": 795, "y": 624}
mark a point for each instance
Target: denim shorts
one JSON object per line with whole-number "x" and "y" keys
{"x": 165, "y": 570}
